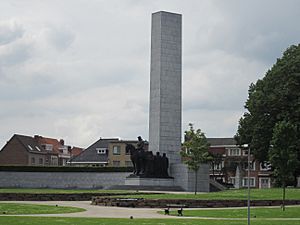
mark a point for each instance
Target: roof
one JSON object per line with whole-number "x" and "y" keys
{"x": 76, "y": 151}
{"x": 30, "y": 144}
{"x": 221, "y": 141}
{"x": 91, "y": 155}
{"x": 56, "y": 144}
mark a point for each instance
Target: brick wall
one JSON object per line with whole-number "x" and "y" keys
{"x": 13, "y": 154}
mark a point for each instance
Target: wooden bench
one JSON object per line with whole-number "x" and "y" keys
{"x": 178, "y": 206}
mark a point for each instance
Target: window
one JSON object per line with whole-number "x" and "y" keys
{"x": 116, "y": 150}
{"x": 41, "y": 161}
{"x": 245, "y": 152}
{"x": 116, "y": 163}
{"x": 252, "y": 182}
{"x": 101, "y": 151}
{"x": 32, "y": 160}
{"x": 252, "y": 165}
{"x": 265, "y": 166}
{"x": 264, "y": 183}
{"x": 234, "y": 152}
{"x": 30, "y": 147}
{"x": 37, "y": 148}
{"x": 217, "y": 166}
{"x": 54, "y": 160}
{"x": 232, "y": 180}
{"x": 128, "y": 163}
{"x": 47, "y": 147}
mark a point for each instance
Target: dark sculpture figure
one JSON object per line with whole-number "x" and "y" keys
{"x": 157, "y": 165}
{"x": 133, "y": 156}
{"x": 165, "y": 165}
{"x": 149, "y": 172}
{"x": 145, "y": 164}
{"x": 141, "y": 144}
{"x": 141, "y": 162}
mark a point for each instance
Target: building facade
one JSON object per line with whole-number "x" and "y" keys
{"x": 230, "y": 165}
{"x": 25, "y": 150}
{"x": 110, "y": 152}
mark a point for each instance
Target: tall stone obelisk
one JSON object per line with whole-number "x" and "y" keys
{"x": 165, "y": 85}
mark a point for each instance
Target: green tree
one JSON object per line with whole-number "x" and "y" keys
{"x": 196, "y": 147}
{"x": 283, "y": 153}
{"x": 272, "y": 99}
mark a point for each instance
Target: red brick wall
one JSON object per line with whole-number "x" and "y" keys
{"x": 13, "y": 153}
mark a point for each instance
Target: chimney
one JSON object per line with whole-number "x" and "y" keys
{"x": 62, "y": 142}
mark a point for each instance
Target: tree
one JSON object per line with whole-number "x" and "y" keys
{"x": 272, "y": 99}
{"x": 196, "y": 146}
{"x": 283, "y": 153}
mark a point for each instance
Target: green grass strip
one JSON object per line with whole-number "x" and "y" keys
{"x": 96, "y": 221}
{"x": 241, "y": 194}
{"x": 290, "y": 212}
{"x": 17, "y": 208}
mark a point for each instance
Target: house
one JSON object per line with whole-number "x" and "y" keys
{"x": 104, "y": 152}
{"x": 118, "y": 155}
{"x": 96, "y": 155}
{"x": 36, "y": 151}
{"x": 26, "y": 151}
{"x": 230, "y": 165}
{"x": 57, "y": 146}
{"x": 75, "y": 151}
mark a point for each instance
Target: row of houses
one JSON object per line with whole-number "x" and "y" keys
{"x": 37, "y": 151}
{"x": 230, "y": 164}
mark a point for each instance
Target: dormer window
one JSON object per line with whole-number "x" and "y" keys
{"x": 47, "y": 147}
{"x": 30, "y": 147}
{"x": 101, "y": 151}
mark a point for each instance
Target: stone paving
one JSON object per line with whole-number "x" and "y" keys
{"x": 97, "y": 211}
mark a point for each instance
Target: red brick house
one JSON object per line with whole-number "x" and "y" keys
{"x": 56, "y": 146}
{"x": 26, "y": 151}
{"x": 231, "y": 165}
{"x": 36, "y": 151}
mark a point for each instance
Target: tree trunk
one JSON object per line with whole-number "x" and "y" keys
{"x": 213, "y": 170}
{"x": 283, "y": 197}
{"x": 196, "y": 181}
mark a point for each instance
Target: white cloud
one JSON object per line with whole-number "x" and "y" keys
{"x": 82, "y": 72}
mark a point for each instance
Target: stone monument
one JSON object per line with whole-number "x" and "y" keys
{"x": 165, "y": 85}
{"x": 165, "y": 107}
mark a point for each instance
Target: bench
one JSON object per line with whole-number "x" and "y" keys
{"x": 178, "y": 206}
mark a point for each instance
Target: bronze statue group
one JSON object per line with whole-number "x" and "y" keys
{"x": 145, "y": 164}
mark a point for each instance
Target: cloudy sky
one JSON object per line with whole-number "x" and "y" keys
{"x": 79, "y": 70}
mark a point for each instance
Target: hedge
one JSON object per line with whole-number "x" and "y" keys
{"x": 64, "y": 169}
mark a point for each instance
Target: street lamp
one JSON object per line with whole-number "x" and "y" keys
{"x": 248, "y": 202}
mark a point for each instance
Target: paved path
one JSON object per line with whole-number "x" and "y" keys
{"x": 97, "y": 211}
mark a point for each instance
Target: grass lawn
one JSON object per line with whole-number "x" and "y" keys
{"x": 96, "y": 221}
{"x": 256, "y": 194}
{"x": 17, "y": 208}
{"x": 290, "y": 212}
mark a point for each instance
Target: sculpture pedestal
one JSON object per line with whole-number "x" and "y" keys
{"x": 165, "y": 182}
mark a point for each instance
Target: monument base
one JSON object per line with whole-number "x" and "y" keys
{"x": 165, "y": 182}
